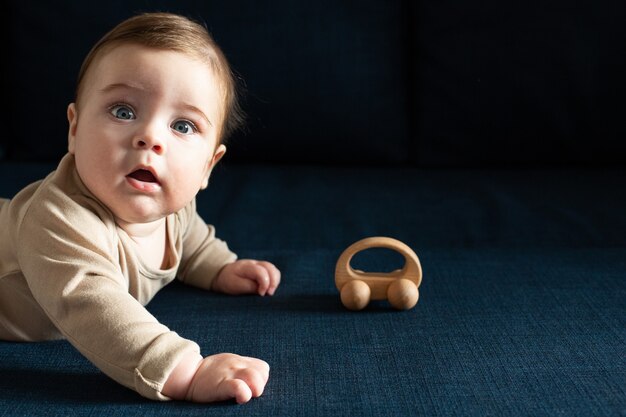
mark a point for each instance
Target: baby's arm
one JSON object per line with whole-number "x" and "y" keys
{"x": 247, "y": 276}
{"x": 217, "y": 378}
{"x": 71, "y": 263}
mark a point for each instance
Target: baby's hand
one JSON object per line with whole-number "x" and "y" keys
{"x": 247, "y": 276}
{"x": 225, "y": 376}
{"x": 217, "y": 378}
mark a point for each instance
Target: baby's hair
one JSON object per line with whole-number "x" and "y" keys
{"x": 177, "y": 33}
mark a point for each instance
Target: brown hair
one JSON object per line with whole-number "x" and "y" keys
{"x": 177, "y": 33}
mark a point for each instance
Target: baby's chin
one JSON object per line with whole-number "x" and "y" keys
{"x": 143, "y": 210}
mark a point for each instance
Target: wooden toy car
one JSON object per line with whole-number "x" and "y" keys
{"x": 400, "y": 287}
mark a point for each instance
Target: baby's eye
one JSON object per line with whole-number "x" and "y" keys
{"x": 184, "y": 126}
{"x": 122, "y": 112}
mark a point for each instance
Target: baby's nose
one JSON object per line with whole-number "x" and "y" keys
{"x": 149, "y": 143}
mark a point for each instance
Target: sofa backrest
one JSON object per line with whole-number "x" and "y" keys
{"x": 424, "y": 83}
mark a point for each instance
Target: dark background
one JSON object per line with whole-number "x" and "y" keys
{"x": 419, "y": 83}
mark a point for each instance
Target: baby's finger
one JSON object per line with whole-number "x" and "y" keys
{"x": 247, "y": 285}
{"x": 260, "y": 365}
{"x": 255, "y": 380}
{"x": 265, "y": 370}
{"x": 234, "y": 388}
{"x": 274, "y": 275}
{"x": 261, "y": 276}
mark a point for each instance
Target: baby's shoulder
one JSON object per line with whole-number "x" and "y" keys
{"x": 54, "y": 208}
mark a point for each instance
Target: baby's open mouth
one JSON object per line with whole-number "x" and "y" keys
{"x": 143, "y": 175}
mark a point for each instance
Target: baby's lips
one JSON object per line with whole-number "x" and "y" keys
{"x": 143, "y": 175}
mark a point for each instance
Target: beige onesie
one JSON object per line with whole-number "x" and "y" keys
{"x": 67, "y": 271}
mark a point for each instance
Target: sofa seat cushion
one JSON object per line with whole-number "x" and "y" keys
{"x": 496, "y": 331}
{"x": 521, "y": 308}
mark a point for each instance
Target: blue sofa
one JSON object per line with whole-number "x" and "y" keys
{"x": 488, "y": 137}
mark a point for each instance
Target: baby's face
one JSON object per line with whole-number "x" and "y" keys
{"x": 144, "y": 131}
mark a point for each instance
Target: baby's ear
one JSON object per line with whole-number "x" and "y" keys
{"x": 219, "y": 154}
{"x": 72, "y": 118}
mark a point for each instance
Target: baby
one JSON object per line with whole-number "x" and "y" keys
{"x": 84, "y": 250}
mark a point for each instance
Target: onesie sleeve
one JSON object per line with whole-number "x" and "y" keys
{"x": 204, "y": 255}
{"x": 69, "y": 257}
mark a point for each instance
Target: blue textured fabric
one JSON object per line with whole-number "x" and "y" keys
{"x": 521, "y": 311}
{"x": 496, "y": 332}
{"x": 299, "y": 208}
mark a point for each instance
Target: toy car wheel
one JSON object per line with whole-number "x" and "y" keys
{"x": 403, "y": 294}
{"x": 355, "y": 295}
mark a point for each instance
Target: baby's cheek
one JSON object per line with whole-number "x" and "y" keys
{"x": 182, "y": 191}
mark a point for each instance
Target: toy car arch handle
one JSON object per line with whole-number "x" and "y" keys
{"x": 378, "y": 281}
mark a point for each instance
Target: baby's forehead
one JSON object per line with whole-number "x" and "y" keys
{"x": 136, "y": 61}
{"x": 115, "y": 51}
